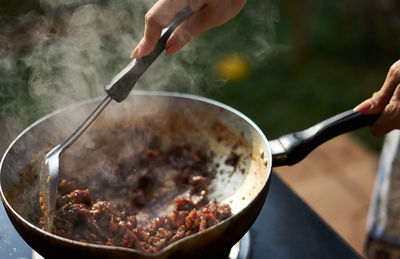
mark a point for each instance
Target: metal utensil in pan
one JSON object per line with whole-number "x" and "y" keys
{"x": 174, "y": 117}
{"x": 117, "y": 90}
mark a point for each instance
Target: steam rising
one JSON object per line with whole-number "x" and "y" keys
{"x": 70, "y": 51}
{"x": 73, "y": 49}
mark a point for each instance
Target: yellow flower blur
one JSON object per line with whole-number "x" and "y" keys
{"x": 233, "y": 67}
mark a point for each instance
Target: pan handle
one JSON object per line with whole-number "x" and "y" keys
{"x": 292, "y": 148}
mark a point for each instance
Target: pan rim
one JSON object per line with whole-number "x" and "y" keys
{"x": 166, "y": 249}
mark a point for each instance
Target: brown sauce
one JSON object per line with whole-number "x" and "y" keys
{"x": 88, "y": 215}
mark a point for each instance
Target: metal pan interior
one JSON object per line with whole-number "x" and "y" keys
{"x": 174, "y": 117}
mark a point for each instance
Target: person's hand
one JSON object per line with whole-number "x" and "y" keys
{"x": 208, "y": 14}
{"x": 386, "y": 101}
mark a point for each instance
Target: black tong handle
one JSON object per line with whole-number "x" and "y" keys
{"x": 122, "y": 84}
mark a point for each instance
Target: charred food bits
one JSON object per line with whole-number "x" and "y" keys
{"x": 82, "y": 215}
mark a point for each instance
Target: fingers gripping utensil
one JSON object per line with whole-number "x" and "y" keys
{"x": 117, "y": 90}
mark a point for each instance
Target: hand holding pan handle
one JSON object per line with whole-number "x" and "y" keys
{"x": 123, "y": 82}
{"x": 292, "y": 148}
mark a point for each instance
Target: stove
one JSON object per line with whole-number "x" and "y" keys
{"x": 285, "y": 228}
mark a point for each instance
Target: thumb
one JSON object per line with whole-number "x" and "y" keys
{"x": 380, "y": 99}
{"x": 372, "y": 105}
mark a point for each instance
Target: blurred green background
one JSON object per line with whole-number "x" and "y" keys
{"x": 318, "y": 58}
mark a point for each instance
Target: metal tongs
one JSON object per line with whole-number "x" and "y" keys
{"x": 117, "y": 90}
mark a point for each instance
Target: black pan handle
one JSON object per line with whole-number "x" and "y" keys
{"x": 122, "y": 84}
{"x": 292, "y": 148}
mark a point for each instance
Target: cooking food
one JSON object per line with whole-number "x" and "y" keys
{"x": 206, "y": 124}
{"x": 134, "y": 186}
{"x": 143, "y": 131}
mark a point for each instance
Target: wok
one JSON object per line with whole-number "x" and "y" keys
{"x": 176, "y": 118}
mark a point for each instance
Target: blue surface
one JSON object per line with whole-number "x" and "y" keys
{"x": 288, "y": 228}
{"x": 11, "y": 244}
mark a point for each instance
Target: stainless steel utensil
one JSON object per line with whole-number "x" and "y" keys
{"x": 118, "y": 89}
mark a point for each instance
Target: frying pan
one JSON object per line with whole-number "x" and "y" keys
{"x": 176, "y": 118}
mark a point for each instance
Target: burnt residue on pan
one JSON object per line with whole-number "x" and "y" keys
{"x": 119, "y": 209}
{"x": 130, "y": 162}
